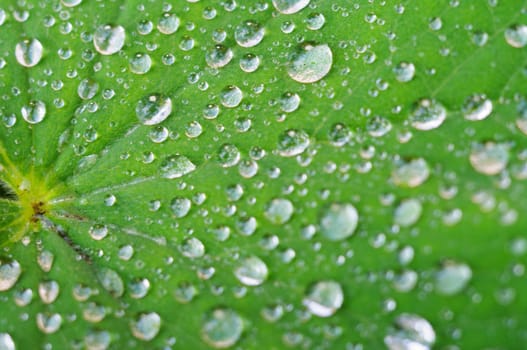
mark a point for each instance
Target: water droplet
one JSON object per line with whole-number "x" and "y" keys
{"x": 477, "y": 107}
{"x": 34, "y": 112}
{"x": 412, "y": 333}
{"x": 411, "y": 173}
{"x": 249, "y": 63}
{"x": 168, "y": 23}
{"x": 176, "y": 166}
{"x": 315, "y": 21}
{"x": 228, "y": 155}
{"x": 339, "y": 221}
{"x": 279, "y": 211}
{"x": 111, "y": 281}
{"x": 521, "y": 121}
{"x": 288, "y": 7}
{"x": 293, "y": 142}
{"x": 404, "y": 71}
{"x": 516, "y": 35}
{"x": 140, "y": 63}
{"x": 427, "y": 114}
{"x": 251, "y": 271}
{"x": 222, "y": 328}
{"x": 180, "y": 206}
{"x": 452, "y": 278}
{"x": 10, "y": 271}
{"x": 192, "y": 248}
{"x": 45, "y": 260}
{"x": 489, "y": 158}
{"x": 310, "y": 62}
{"x": 185, "y": 292}
{"x": 408, "y": 212}
{"x": 29, "y": 52}
{"x": 146, "y": 326}
{"x": 139, "y": 287}
{"x": 23, "y": 297}
{"x": 324, "y": 298}
{"x": 219, "y": 56}
{"x": 108, "y": 39}
{"x": 6, "y": 342}
{"x": 249, "y": 33}
{"x": 48, "y": 291}
{"x": 49, "y": 322}
{"x": 97, "y": 340}
{"x": 87, "y": 89}
{"x": 98, "y": 232}
{"x": 289, "y": 102}
{"x": 231, "y": 96}
{"x": 405, "y": 281}
{"x": 70, "y": 3}
{"x": 153, "y": 109}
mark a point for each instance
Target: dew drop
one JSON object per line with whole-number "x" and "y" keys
{"x": 489, "y": 158}
{"x": 168, "y": 23}
{"x": 70, "y": 3}
{"x": 98, "y": 232}
{"x": 452, "y": 278}
{"x": 87, "y": 89}
{"x": 249, "y": 63}
{"x": 140, "y": 63}
{"x": 192, "y": 248}
{"x": 153, "y": 109}
{"x": 10, "y": 271}
{"x": 248, "y": 34}
{"x": 139, "y": 287}
{"x": 427, "y": 114}
{"x": 408, "y": 212}
{"x": 477, "y": 107}
{"x": 411, "y": 173}
{"x": 176, "y": 166}
{"x": 324, "y": 298}
{"x": 108, "y": 39}
{"x": 292, "y": 142}
{"x": 97, "y": 340}
{"x": 49, "y": 322}
{"x": 228, "y": 155}
{"x": 222, "y": 328}
{"x": 180, "y": 206}
{"x": 279, "y": 211}
{"x": 6, "y": 342}
{"x": 34, "y": 112}
{"x": 48, "y": 291}
{"x": 231, "y": 96}
{"x": 146, "y": 326}
{"x": 111, "y": 281}
{"x": 412, "y": 332}
{"x": 288, "y": 7}
{"x": 516, "y": 36}
{"x": 29, "y": 52}
{"x": 219, "y": 56}
{"x": 404, "y": 71}
{"x": 251, "y": 271}
{"x": 310, "y": 63}
{"x": 339, "y": 221}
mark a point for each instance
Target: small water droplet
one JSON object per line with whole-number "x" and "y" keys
{"x": 411, "y": 173}
{"x": 412, "y": 333}
{"x": 293, "y": 142}
{"x": 49, "y": 322}
{"x": 192, "y": 248}
{"x": 279, "y": 211}
{"x": 249, "y": 33}
{"x": 219, "y": 56}
{"x": 404, "y": 71}
{"x": 168, "y": 23}
{"x": 140, "y": 63}
{"x": 408, "y": 212}
{"x": 477, "y": 107}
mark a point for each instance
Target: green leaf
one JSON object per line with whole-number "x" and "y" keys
{"x": 263, "y": 174}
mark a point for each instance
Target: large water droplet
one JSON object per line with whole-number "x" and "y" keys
{"x": 10, "y": 271}
{"x": 339, "y": 221}
{"x": 222, "y": 328}
{"x": 97, "y": 340}
{"x": 153, "y": 109}
{"x": 293, "y": 142}
{"x": 452, "y": 278}
{"x": 231, "y": 96}
{"x": 408, "y": 212}
{"x": 219, "y": 56}
{"x": 412, "y": 333}
{"x": 87, "y": 89}
{"x": 279, "y": 210}
{"x": 310, "y": 62}
{"x": 249, "y": 33}
{"x": 168, "y": 23}
{"x": 108, "y": 39}
{"x": 324, "y": 298}
{"x": 6, "y": 342}
{"x": 176, "y": 166}
{"x": 288, "y": 7}
{"x": 489, "y": 158}
{"x": 146, "y": 326}
{"x": 251, "y": 271}
{"x": 34, "y": 112}
{"x": 427, "y": 114}
{"x": 404, "y": 71}
{"x": 140, "y": 63}
{"x": 111, "y": 281}
{"x": 49, "y": 322}
{"x": 477, "y": 107}
{"x": 516, "y": 36}
{"x": 411, "y": 173}
{"x": 192, "y": 248}
{"x": 28, "y": 52}
{"x": 228, "y": 155}
{"x": 48, "y": 291}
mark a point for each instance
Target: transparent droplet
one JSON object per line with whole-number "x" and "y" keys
{"x": 521, "y": 121}
{"x": 176, "y": 166}
{"x": 87, "y": 89}
{"x": 427, "y": 114}
{"x": 219, "y": 56}
{"x": 29, "y": 52}
{"x": 251, "y": 271}
{"x": 180, "y": 206}
{"x": 231, "y": 96}
{"x": 452, "y": 278}
{"x": 139, "y": 287}
{"x": 146, "y": 326}
{"x": 23, "y": 297}
{"x": 153, "y": 109}
{"x": 339, "y": 221}
{"x": 477, "y": 107}
{"x": 49, "y": 322}
{"x": 378, "y": 126}
{"x": 185, "y": 292}
{"x": 192, "y": 248}
{"x": 408, "y": 212}
{"x": 70, "y": 3}
{"x": 222, "y": 328}
{"x": 109, "y": 39}
{"x": 289, "y": 102}
{"x": 315, "y": 21}
{"x": 249, "y": 63}
{"x": 339, "y": 135}
{"x": 411, "y": 173}
{"x": 411, "y": 332}
{"x": 310, "y": 62}
{"x": 292, "y": 142}
{"x": 34, "y": 112}
{"x": 516, "y": 35}
{"x": 140, "y": 63}
{"x": 111, "y": 281}
{"x": 45, "y": 260}
{"x": 6, "y": 342}
{"x": 249, "y": 33}
{"x": 404, "y": 71}
{"x": 48, "y": 291}
{"x": 323, "y": 298}
{"x": 288, "y": 7}
{"x": 10, "y": 271}
{"x": 228, "y": 155}
{"x": 489, "y": 158}
{"x": 279, "y": 211}
{"x": 98, "y": 232}
{"x": 405, "y": 281}
{"x": 97, "y": 340}
{"x": 168, "y": 23}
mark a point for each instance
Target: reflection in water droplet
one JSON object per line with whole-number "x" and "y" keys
{"x": 251, "y": 271}
{"x": 408, "y": 212}
{"x": 10, "y": 271}
{"x": 192, "y": 248}
{"x": 146, "y": 326}
{"x": 412, "y": 333}
{"x": 153, "y": 109}
{"x": 249, "y": 33}
{"x": 427, "y": 114}
{"x": 452, "y": 278}
{"x": 489, "y": 158}
{"x": 293, "y": 142}
{"x": 34, "y": 112}
{"x": 339, "y": 221}
{"x": 176, "y": 166}
{"x": 140, "y": 63}
{"x": 168, "y": 23}
{"x": 108, "y": 39}
{"x": 288, "y": 7}
{"x": 516, "y": 35}
{"x": 111, "y": 281}
{"x": 97, "y": 340}
{"x": 411, "y": 173}
{"x": 6, "y": 342}
{"x": 279, "y": 210}
{"x": 477, "y": 107}
{"x": 324, "y": 298}
{"x": 219, "y": 56}
{"x": 404, "y": 71}
{"x": 222, "y": 327}
{"x": 28, "y": 52}
{"x": 49, "y": 322}
{"x": 310, "y": 63}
